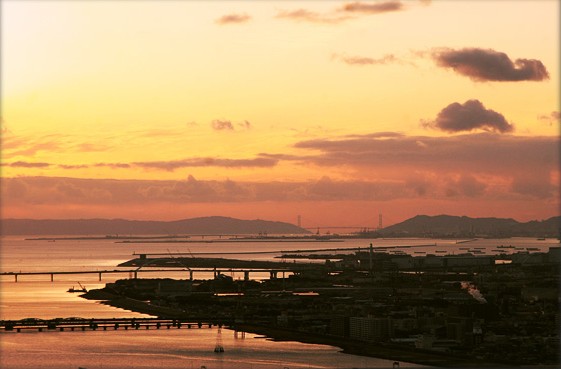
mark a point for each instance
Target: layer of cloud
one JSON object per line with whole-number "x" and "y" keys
{"x": 490, "y": 65}
{"x": 233, "y": 19}
{"x": 504, "y": 157}
{"x": 469, "y": 116}
{"x": 207, "y": 162}
{"x": 168, "y": 165}
{"x": 361, "y": 60}
{"x": 44, "y": 190}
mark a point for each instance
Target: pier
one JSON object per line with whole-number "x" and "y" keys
{"x": 82, "y": 324}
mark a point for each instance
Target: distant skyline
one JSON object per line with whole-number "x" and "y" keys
{"x": 335, "y": 111}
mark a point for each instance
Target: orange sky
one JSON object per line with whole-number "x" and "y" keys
{"x": 336, "y": 111}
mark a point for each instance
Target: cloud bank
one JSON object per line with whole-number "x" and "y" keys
{"x": 490, "y": 65}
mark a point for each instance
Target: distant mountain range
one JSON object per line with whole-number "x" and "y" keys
{"x": 455, "y": 226}
{"x": 206, "y": 225}
{"x": 418, "y": 226}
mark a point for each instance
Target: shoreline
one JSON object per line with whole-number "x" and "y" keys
{"x": 379, "y": 350}
{"x": 370, "y": 349}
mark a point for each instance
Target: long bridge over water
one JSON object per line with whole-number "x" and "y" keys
{"x": 82, "y": 324}
{"x": 133, "y": 273}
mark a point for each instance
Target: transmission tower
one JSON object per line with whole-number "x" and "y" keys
{"x": 219, "y": 348}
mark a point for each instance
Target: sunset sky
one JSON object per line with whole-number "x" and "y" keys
{"x": 335, "y": 111}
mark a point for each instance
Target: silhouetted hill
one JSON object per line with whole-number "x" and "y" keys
{"x": 455, "y": 226}
{"x": 206, "y": 225}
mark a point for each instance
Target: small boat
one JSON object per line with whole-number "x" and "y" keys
{"x": 81, "y": 289}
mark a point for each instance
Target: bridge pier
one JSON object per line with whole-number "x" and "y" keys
{"x": 52, "y": 277}
{"x": 190, "y": 275}
{"x": 16, "y": 278}
{"x": 135, "y": 274}
{"x": 273, "y": 274}
{"x": 100, "y": 276}
{"x": 246, "y": 275}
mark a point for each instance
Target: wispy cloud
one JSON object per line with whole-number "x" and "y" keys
{"x": 26, "y": 164}
{"x": 361, "y": 60}
{"x": 222, "y": 125}
{"x": 228, "y": 125}
{"x": 469, "y": 116}
{"x": 304, "y": 15}
{"x": 551, "y": 118}
{"x": 167, "y": 165}
{"x": 207, "y": 162}
{"x": 489, "y": 65}
{"x": 372, "y": 7}
{"x": 348, "y": 11}
{"x": 233, "y": 19}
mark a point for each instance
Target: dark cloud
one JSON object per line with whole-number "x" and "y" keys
{"x": 372, "y": 8}
{"x": 309, "y": 16}
{"x": 233, "y": 19}
{"x": 221, "y": 125}
{"x": 361, "y": 60}
{"x": 490, "y": 65}
{"x": 469, "y": 116}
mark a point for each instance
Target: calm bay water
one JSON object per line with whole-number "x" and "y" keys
{"x": 38, "y": 297}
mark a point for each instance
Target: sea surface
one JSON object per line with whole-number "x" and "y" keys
{"x": 38, "y": 297}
